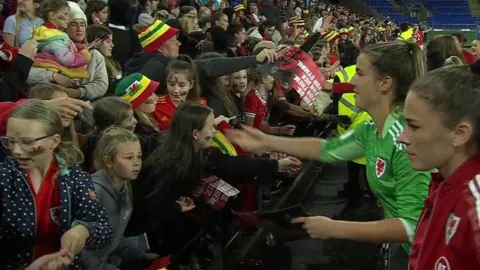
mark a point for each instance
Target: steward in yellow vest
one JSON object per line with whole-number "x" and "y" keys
{"x": 346, "y": 106}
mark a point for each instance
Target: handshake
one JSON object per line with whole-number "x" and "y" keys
{"x": 55, "y": 261}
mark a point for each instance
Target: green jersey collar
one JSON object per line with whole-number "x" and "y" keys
{"x": 394, "y": 115}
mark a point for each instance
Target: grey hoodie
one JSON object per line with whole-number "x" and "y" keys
{"x": 119, "y": 208}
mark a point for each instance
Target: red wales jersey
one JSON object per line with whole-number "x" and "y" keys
{"x": 255, "y": 107}
{"x": 449, "y": 224}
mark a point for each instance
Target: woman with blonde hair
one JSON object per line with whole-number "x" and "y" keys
{"x": 189, "y": 19}
{"x": 49, "y": 203}
{"x": 18, "y": 28}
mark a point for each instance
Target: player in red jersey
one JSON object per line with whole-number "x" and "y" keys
{"x": 442, "y": 133}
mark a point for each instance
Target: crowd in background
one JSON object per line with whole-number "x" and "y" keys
{"x": 114, "y": 113}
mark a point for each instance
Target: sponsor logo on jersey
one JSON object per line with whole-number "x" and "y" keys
{"x": 451, "y": 227}
{"x": 442, "y": 264}
{"x": 380, "y": 167}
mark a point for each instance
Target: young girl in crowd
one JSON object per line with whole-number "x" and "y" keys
{"x": 56, "y": 51}
{"x": 118, "y": 111}
{"x": 118, "y": 158}
{"x": 442, "y": 133}
{"x": 182, "y": 86}
{"x": 139, "y": 91}
{"x": 96, "y": 12}
{"x": 105, "y": 46}
{"x": 49, "y": 203}
{"x": 384, "y": 75}
{"x": 215, "y": 91}
{"x": 18, "y": 28}
{"x": 108, "y": 111}
{"x": 176, "y": 167}
{"x": 256, "y": 109}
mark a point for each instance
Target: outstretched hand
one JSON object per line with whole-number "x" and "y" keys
{"x": 317, "y": 227}
{"x": 249, "y": 139}
{"x": 289, "y": 163}
{"x": 58, "y": 260}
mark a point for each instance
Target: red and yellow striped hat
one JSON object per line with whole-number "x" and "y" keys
{"x": 153, "y": 36}
{"x": 330, "y": 36}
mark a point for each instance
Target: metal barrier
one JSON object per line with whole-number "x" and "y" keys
{"x": 294, "y": 195}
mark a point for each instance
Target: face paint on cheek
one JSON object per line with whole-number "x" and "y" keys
{"x": 35, "y": 151}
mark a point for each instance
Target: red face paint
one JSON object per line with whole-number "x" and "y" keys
{"x": 34, "y": 151}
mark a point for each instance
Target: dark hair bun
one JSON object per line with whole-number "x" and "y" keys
{"x": 475, "y": 67}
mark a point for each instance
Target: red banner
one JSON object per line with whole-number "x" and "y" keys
{"x": 298, "y": 69}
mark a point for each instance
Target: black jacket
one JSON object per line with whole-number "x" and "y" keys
{"x": 153, "y": 66}
{"x": 125, "y": 38}
{"x": 150, "y": 211}
{"x": 15, "y": 79}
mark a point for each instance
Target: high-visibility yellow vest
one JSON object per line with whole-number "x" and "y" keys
{"x": 407, "y": 35}
{"x": 346, "y": 106}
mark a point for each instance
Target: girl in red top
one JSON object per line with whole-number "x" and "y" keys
{"x": 182, "y": 86}
{"x": 48, "y": 203}
{"x": 442, "y": 133}
{"x": 256, "y": 109}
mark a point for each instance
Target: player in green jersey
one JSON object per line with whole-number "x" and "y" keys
{"x": 384, "y": 74}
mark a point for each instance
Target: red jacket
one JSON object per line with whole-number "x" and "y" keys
{"x": 165, "y": 109}
{"x": 448, "y": 226}
{"x": 469, "y": 57}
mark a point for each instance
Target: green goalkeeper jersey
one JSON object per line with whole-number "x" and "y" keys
{"x": 400, "y": 189}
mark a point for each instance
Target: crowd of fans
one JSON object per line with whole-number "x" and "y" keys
{"x": 112, "y": 115}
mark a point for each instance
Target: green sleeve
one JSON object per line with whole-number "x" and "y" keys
{"x": 411, "y": 190}
{"x": 348, "y": 146}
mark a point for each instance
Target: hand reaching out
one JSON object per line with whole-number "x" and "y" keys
{"x": 186, "y": 203}
{"x": 317, "y": 227}
{"x": 287, "y": 130}
{"x": 68, "y": 107}
{"x": 249, "y": 139}
{"x": 55, "y": 261}
{"x": 267, "y": 55}
{"x": 222, "y": 118}
{"x": 289, "y": 163}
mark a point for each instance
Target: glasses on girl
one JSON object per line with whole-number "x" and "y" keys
{"x": 25, "y": 143}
